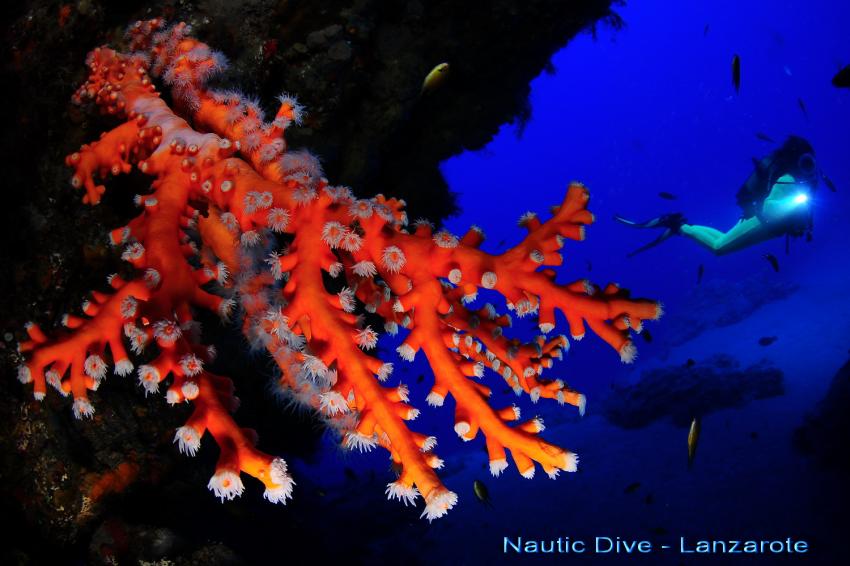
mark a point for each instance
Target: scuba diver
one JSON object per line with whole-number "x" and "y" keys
{"x": 775, "y": 199}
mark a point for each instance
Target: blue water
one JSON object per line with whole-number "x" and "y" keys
{"x": 646, "y": 109}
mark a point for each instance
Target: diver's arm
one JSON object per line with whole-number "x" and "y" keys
{"x": 745, "y": 233}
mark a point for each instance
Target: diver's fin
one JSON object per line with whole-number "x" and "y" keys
{"x": 672, "y": 224}
{"x": 653, "y": 223}
{"x": 664, "y": 235}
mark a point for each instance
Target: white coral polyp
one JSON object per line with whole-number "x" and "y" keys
{"x": 190, "y": 364}
{"x": 407, "y": 494}
{"x": 438, "y": 503}
{"x": 82, "y": 408}
{"x": 498, "y": 466}
{"x": 226, "y": 484}
{"x": 365, "y": 269}
{"x": 360, "y": 442}
{"x": 188, "y": 440}
{"x": 393, "y": 259}
{"x": 332, "y": 403}
{"x": 284, "y": 483}
{"x": 367, "y": 338}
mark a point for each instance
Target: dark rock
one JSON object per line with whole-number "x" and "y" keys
{"x": 825, "y": 434}
{"x": 683, "y": 392}
{"x": 720, "y": 303}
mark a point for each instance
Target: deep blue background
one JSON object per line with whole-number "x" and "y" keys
{"x": 646, "y": 109}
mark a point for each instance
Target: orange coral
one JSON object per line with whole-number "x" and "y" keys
{"x": 254, "y": 190}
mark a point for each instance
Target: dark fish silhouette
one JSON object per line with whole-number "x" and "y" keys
{"x": 589, "y": 266}
{"x": 481, "y": 492}
{"x": 349, "y": 473}
{"x": 828, "y": 182}
{"x": 421, "y": 378}
{"x": 648, "y": 499}
{"x": 700, "y": 273}
{"x": 646, "y": 335}
{"x": 767, "y": 340}
{"x": 764, "y": 137}
{"x": 736, "y": 72}
{"x": 774, "y": 263}
{"x": 842, "y": 78}
{"x": 705, "y": 30}
{"x": 693, "y": 440}
{"x": 802, "y": 106}
{"x": 667, "y": 196}
{"x": 690, "y": 363}
{"x": 632, "y": 487}
{"x": 754, "y": 435}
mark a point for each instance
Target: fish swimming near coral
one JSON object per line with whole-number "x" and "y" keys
{"x": 736, "y": 72}
{"x": 828, "y": 182}
{"x": 693, "y": 440}
{"x": 435, "y": 78}
{"x": 774, "y": 263}
{"x": 803, "y": 109}
{"x": 481, "y": 492}
{"x": 764, "y": 137}
{"x": 842, "y": 78}
{"x": 700, "y": 273}
{"x": 667, "y": 196}
{"x": 767, "y": 340}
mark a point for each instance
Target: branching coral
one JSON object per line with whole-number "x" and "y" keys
{"x": 235, "y": 222}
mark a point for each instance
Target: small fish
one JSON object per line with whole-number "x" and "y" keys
{"x": 828, "y": 182}
{"x": 705, "y": 30}
{"x": 421, "y": 378}
{"x": 436, "y": 77}
{"x": 700, "y": 273}
{"x": 646, "y": 335}
{"x": 754, "y": 435}
{"x": 589, "y": 265}
{"x": 349, "y": 473}
{"x": 501, "y": 243}
{"x": 320, "y": 493}
{"x": 802, "y": 106}
{"x": 764, "y": 137}
{"x": 774, "y": 263}
{"x": 690, "y": 363}
{"x": 787, "y": 70}
{"x": 693, "y": 439}
{"x": 632, "y": 487}
{"x": 736, "y": 72}
{"x": 667, "y": 196}
{"x": 648, "y": 499}
{"x": 767, "y": 340}
{"x": 481, "y": 492}
{"x": 842, "y": 78}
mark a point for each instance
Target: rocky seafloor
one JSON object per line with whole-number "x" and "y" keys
{"x": 681, "y": 392}
{"x": 113, "y": 488}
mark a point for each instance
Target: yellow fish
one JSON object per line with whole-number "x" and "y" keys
{"x": 435, "y": 78}
{"x": 693, "y": 439}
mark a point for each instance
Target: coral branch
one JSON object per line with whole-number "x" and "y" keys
{"x": 271, "y": 232}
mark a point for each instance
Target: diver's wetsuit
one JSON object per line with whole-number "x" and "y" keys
{"x": 775, "y": 199}
{"x": 786, "y": 210}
